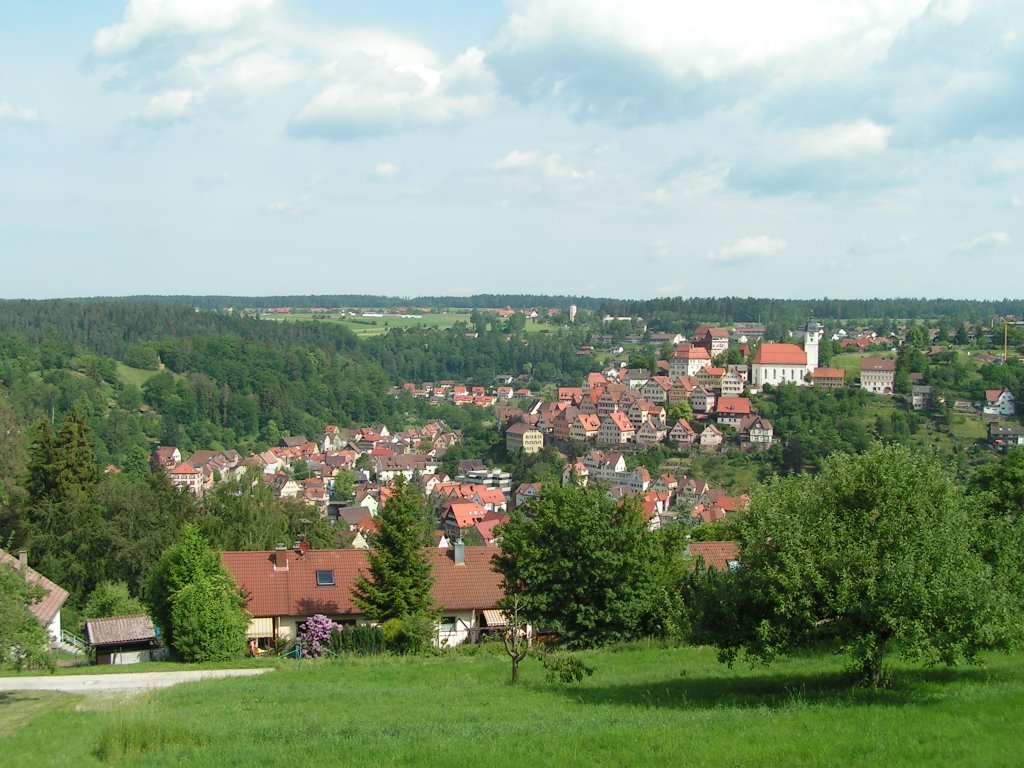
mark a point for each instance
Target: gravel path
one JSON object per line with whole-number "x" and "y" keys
{"x": 113, "y": 683}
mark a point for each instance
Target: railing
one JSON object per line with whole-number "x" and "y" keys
{"x": 74, "y": 641}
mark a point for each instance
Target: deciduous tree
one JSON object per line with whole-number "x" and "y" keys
{"x": 876, "y": 552}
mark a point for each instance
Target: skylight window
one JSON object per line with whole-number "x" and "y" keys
{"x": 325, "y": 578}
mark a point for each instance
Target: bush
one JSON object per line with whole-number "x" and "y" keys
{"x": 315, "y": 636}
{"x": 564, "y": 668}
{"x": 358, "y": 640}
{"x": 409, "y": 634}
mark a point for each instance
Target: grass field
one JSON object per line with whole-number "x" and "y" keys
{"x": 643, "y": 706}
{"x": 375, "y": 326}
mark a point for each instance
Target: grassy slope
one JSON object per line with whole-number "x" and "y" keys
{"x": 643, "y": 706}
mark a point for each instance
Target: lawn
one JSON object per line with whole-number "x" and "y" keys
{"x": 643, "y": 706}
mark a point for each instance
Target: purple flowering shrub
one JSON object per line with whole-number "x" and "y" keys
{"x": 315, "y": 636}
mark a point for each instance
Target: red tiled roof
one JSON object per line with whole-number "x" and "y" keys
{"x": 878, "y": 364}
{"x": 45, "y": 609}
{"x": 734, "y": 405}
{"x": 293, "y": 592}
{"x": 716, "y": 554}
{"x": 780, "y": 354}
{"x": 829, "y": 373}
{"x": 119, "y": 629}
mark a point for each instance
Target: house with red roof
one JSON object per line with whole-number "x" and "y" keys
{"x": 999, "y": 402}
{"x": 878, "y": 375}
{"x": 722, "y": 556}
{"x": 687, "y": 359}
{"x": 731, "y": 411}
{"x": 829, "y": 378}
{"x": 188, "y": 477}
{"x": 46, "y": 610}
{"x": 616, "y": 429}
{"x": 682, "y": 435}
{"x": 284, "y": 587}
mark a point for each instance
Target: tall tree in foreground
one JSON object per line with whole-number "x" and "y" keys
{"x": 877, "y": 552}
{"x": 586, "y": 567}
{"x": 400, "y": 582}
{"x": 195, "y": 601}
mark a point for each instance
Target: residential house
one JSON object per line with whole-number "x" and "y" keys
{"x": 711, "y": 438}
{"x": 616, "y": 429}
{"x": 165, "y": 457}
{"x": 584, "y": 426}
{"x": 731, "y": 411}
{"x": 523, "y": 437}
{"x": 682, "y": 435}
{"x": 878, "y": 374}
{"x": 829, "y": 378}
{"x": 702, "y": 399}
{"x": 47, "y": 609}
{"x": 732, "y": 384}
{"x": 686, "y": 360}
{"x": 656, "y": 389}
{"x": 285, "y": 587}
{"x": 920, "y": 397}
{"x": 999, "y": 402}
{"x": 643, "y": 410}
{"x": 681, "y": 389}
{"x": 527, "y": 491}
{"x": 714, "y": 340}
{"x": 710, "y": 377}
{"x": 188, "y": 477}
{"x": 651, "y": 432}
{"x": 756, "y": 432}
{"x": 1003, "y": 438}
{"x": 778, "y": 364}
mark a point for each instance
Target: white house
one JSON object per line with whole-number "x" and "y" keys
{"x": 999, "y": 402}
{"x": 778, "y": 364}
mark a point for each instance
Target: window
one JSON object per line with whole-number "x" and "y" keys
{"x": 325, "y": 578}
{"x": 448, "y": 624}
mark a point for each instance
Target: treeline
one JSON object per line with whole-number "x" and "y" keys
{"x": 477, "y": 301}
{"x": 682, "y": 314}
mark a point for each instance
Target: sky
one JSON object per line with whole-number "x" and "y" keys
{"x": 792, "y": 149}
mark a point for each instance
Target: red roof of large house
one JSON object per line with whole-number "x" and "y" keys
{"x": 733, "y": 405}
{"x": 780, "y": 354}
{"x": 716, "y": 554}
{"x": 293, "y": 591}
{"x": 829, "y": 373}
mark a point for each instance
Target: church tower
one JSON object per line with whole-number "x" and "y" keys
{"x": 812, "y": 335}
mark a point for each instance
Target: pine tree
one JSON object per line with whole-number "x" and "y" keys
{"x": 401, "y": 577}
{"x": 41, "y": 480}
{"x": 74, "y": 460}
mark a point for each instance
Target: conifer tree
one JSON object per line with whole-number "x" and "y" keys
{"x": 401, "y": 578}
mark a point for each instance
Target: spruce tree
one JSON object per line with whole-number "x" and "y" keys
{"x": 41, "y": 480}
{"x": 401, "y": 578}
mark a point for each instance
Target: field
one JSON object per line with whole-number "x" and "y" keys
{"x": 376, "y": 326}
{"x": 644, "y": 706}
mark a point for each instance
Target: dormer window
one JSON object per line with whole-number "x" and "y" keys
{"x": 325, "y": 578}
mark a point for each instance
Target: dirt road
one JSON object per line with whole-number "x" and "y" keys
{"x": 114, "y": 683}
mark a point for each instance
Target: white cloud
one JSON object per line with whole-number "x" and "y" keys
{"x": 551, "y": 166}
{"x": 14, "y": 114}
{"x": 712, "y": 39}
{"x": 385, "y": 170}
{"x": 1017, "y": 201}
{"x": 145, "y": 20}
{"x": 983, "y": 244}
{"x": 692, "y": 182}
{"x": 748, "y": 249}
{"x": 846, "y": 140}
{"x": 340, "y": 82}
{"x": 169, "y": 106}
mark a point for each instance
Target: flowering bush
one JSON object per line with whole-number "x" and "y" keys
{"x": 315, "y": 636}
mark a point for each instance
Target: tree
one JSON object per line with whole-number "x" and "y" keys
{"x": 401, "y": 579}
{"x": 877, "y": 550}
{"x": 585, "y": 566}
{"x": 111, "y": 598}
{"x": 22, "y": 637}
{"x": 195, "y": 601}
{"x": 209, "y": 619}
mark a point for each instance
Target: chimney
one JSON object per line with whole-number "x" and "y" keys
{"x": 459, "y": 552}
{"x": 280, "y": 558}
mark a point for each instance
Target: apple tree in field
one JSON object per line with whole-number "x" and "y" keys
{"x": 879, "y": 552}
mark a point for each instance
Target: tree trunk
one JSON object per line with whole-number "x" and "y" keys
{"x": 515, "y": 670}
{"x": 871, "y": 663}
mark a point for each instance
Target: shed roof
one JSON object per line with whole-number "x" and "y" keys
{"x": 120, "y": 629}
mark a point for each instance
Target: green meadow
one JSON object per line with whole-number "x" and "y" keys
{"x": 644, "y": 705}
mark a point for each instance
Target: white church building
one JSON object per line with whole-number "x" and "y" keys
{"x": 787, "y": 363}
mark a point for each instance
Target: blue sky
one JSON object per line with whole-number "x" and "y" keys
{"x": 801, "y": 148}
